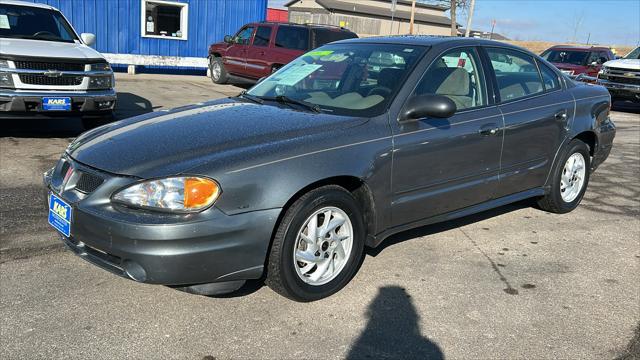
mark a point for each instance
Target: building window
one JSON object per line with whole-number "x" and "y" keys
{"x": 165, "y": 19}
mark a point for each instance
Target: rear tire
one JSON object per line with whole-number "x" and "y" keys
{"x": 218, "y": 73}
{"x": 569, "y": 181}
{"x": 332, "y": 256}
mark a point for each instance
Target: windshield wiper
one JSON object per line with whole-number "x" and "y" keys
{"x": 253, "y": 98}
{"x": 287, "y": 100}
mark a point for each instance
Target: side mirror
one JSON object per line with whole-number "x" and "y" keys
{"x": 595, "y": 63}
{"x": 228, "y": 39}
{"x": 422, "y": 106}
{"x": 88, "y": 38}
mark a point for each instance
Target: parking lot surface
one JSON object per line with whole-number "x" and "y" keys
{"x": 515, "y": 282}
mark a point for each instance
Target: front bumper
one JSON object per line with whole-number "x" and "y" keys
{"x": 628, "y": 91}
{"x": 167, "y": 249}
{"x": 29, "y": 102}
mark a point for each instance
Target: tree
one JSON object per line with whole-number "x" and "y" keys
{"x": 454, "y": 6}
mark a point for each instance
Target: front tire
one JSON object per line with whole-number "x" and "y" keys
{"x": 318, "y": 245}
{"x": 570, "y": 180}
{"x": 217, "y": 70}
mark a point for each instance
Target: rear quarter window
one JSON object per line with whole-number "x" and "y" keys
{"x": 549, "y": 77}
{"x": 325, "y": 36}
{"x": 292, "y": 37}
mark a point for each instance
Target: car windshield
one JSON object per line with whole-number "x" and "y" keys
{"x": 635, "y": 54}
{"x": 566, "y": 56}
{"x": 343, "y": 79}
{"x": 34, "y": 23}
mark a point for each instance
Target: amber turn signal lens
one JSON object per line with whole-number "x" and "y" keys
{"x": 199, "y": 192}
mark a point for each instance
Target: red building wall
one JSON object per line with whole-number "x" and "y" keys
{"x": 277, "y": 15}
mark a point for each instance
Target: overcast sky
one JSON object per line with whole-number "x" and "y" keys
{"x": 608, "y": 21}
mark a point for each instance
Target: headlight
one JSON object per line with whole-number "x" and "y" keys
{"x": 100, "y": 67}
{"x": 175, "y": 194}
{"x": 101, "y": 82}
{"x": 604, "y": 70}
{"x": 6, "y": 79}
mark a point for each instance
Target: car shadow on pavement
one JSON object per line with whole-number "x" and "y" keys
{"x": 61, "y": 126}
{"x": 393, "y": 330}
{"x": 447, "y": 225}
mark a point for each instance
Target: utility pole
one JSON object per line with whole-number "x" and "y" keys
{"x": 470, "y": 18}
{"x": 493, "y": 26}
{"x": 393, "y": 13}
{"x": 413, "y": 13}
{"x": 454, "y": 23}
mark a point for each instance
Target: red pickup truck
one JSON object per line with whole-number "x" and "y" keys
{"x": 576, "y": 60}
{"x": 258, "y": 49}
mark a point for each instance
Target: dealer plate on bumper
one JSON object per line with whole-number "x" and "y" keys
{"x": 56, "y": 103}
{"x": 59, "y": 215}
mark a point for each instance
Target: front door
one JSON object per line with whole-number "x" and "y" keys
{"x": 236, "y": 55}
{"x": 441, "y": 165}
{"x": 258, "y": 53}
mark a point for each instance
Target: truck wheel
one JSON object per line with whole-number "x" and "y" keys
{"x": 90, "y": 122}
{"x": 318, "y": 245}
{"x": 218, "y": 73}
{"x": 570, "y": 180}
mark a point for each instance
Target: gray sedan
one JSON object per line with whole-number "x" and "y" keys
{"x": 343, "y": 147}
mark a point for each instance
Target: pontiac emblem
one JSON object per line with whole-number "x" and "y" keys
{"x": 53, "y": 73}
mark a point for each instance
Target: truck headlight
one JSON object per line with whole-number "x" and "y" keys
{"x": 175, "y": 194}
{"x": 101, "y": 82}
{"x": 603, "y": 70}
{"x": 6, "y": 79}
{"x": 100, "y": 67}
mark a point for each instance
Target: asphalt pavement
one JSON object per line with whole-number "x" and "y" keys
{"x": 514, "y": 282}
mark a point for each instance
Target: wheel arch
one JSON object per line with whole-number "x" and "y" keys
{"x": 356, "y": 186}
{"x": 588, "y": 137}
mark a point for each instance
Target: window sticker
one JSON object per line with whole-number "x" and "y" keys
{"x": 4, "y": 22}
{"x": 320, "y": 53}
{"x": 294, "y": 75}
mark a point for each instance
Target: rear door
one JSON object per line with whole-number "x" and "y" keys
{"x": 290, "y": 42}
{"x": 236, "y": 55}
{"x": 536, "y": 110}
{"x": 258, "y": 64}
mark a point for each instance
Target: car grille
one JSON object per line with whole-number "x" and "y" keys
{"x": 36, "y": 65}
{"x": 88, "y": 183}
{"x": 45, "y": 80}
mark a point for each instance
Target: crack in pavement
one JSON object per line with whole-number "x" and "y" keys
{"x": 509, "y": 289}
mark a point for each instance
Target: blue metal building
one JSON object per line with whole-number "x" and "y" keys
{"x": 159, "y": 33}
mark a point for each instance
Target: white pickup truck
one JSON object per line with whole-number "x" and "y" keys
{"x": 46, "y": 69}
{"x": 622, "y": 77}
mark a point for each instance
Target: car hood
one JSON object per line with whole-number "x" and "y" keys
{"x": 629, "y": 64}
{"x": 47, "y": 49}
{"x": 168, "y": 143}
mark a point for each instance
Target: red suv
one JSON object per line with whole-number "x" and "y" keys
{"x": 576, "y": 60}
{"x": 258, "y": 49}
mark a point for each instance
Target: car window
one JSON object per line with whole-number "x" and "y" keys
{"x": 566, "y": 56}
{"x": 516, "y": 74}
{"x": 593, "y": 57}
{"x": 324, "y": 36}
{"x": 244, "y": 36}
{"x": 456, "y": 75}
{"x": 344, "y": 79}
{"x": 604, "y": 57}
{"x": 292, "y": 37}
{"x": 549, "y": 77}
{"x": 263, "y": 34}
{"x": 33, "y": 23}
{"x": 635, "y": 54}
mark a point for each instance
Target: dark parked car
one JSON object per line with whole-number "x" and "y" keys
{"x": 576, "y": 60}
{"x": 258, "y": 49}
{"x": 338, "y": 150}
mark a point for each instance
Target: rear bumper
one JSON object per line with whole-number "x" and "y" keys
{"x": 29, "y": 103}
{"x": 171, "y": 249}
{"x": 606, "y": 133}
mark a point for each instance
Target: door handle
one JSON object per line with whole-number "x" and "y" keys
{"x": 261, "y": 53}
{"x": 561, "y": 115}
{"x": 489, "y": 129}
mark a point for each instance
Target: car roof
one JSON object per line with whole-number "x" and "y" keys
{"x": 316, "y": 26}
{"x": 28, "y": 4}
{"x": 428, "y": 40}
{"x": 579, "y": 48}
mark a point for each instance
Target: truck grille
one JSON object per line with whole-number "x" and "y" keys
{"x": 36, "y": 65}
{"x": 88, "y": 183}
{"x": 45, "y": 80}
